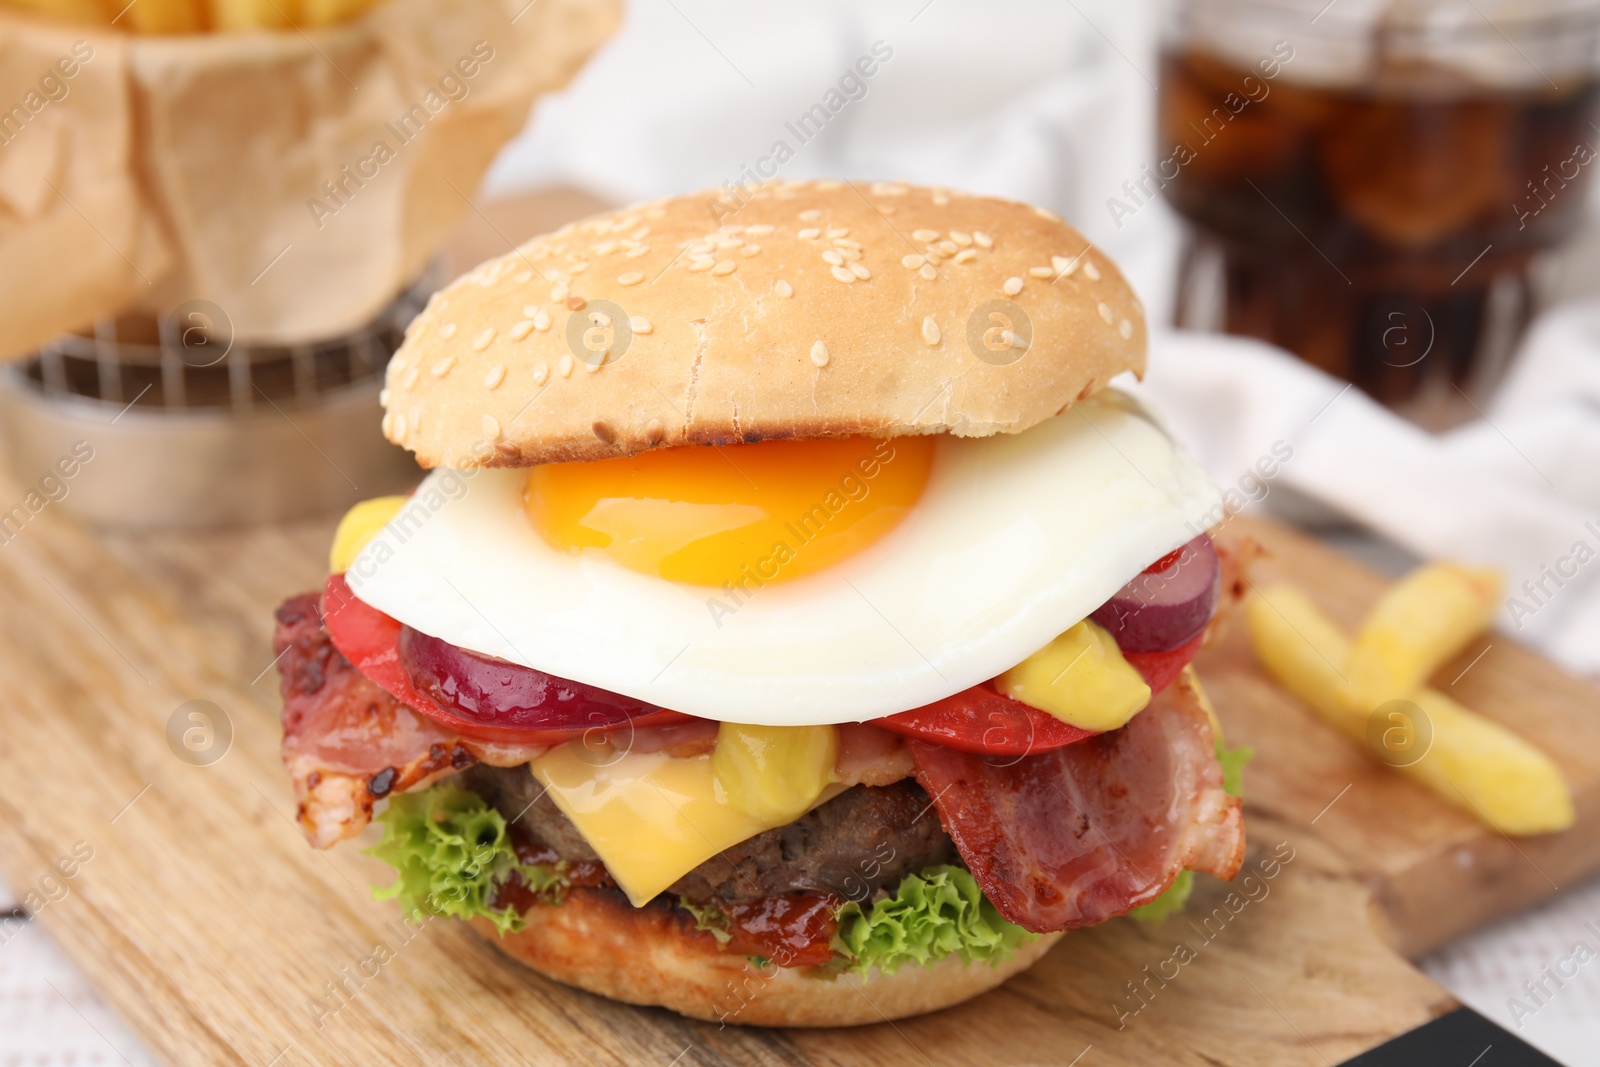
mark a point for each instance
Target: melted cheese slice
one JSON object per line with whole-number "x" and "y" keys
{"x": 652, "y": 818}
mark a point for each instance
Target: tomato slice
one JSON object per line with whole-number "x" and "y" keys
{"x": 982, "y": 720}
{"x": 1160, "y": 668}
{"x": 370, "y": 640}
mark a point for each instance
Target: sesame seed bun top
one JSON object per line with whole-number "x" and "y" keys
{"x": 815, "y": 309}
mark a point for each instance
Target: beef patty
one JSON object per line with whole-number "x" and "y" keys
{"x": 865, "y": 839}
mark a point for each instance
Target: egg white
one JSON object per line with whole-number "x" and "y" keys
{"x": 1016, "y": 538}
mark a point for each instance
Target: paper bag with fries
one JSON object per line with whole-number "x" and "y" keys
{"x": 297, "y": 179}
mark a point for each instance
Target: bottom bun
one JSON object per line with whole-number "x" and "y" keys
{"x": 595, "y": 941}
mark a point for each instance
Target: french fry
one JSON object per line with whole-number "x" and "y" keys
{"x": 1501, "y": 778}
{"x": 331, "y": 12}
{"x": 86, "y": 11}
{"x": 1422, "y": 621}
{"x": 230, "y": 16}
{"x": 164, "y": 16}
{"x": 1305, "y": 651}
{"x": 1468, "y": 760}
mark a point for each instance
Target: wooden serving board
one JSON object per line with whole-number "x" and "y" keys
{"x": 222, "y": 938}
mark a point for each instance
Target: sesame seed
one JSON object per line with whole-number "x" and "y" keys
{"x": 829, "y": 185}
{"x": 1125, "y": 328}
{"x": 530, "y": 311}
{"x": 641, "y": 233}
{"x": 962, "y": 239}
{"x": 496, "y": 375}
{"x": 635, "y": 253}
{"x": 727, "y": 266}
{"x": 491, "y": 427}
{"x": 541, "y": 319}
{"x": 640, "y": 324}
{"x": 604, "y": 432}
{"x": 838, "y": 232}
{"x": 399, "y": 427}
{"x": 832, "y": 256}
{"x": 1046, "y": 213}
{"x": 750, "y": 250}
{"x": 1064, "y": 266}
{"x": 783, "y": 288}
{"x": 1091, "y": 271}
{"x": 441, "y": 368}
{"x": 911, "y": 261}
{"x": 600, "y": 318}
{"x": 1042, "y": 272}
{"x": 810, "y": 215}
{"x": 930, "y": 331}
{"x": 604, "y": 248}
{"x": 597, "y": 364}
{"x": 728, "y": 242}
{"x": 928, "y": 271}
{"x": 541, "y": 371}
{"x": 948, "y": 248}
{"x": 982, "y": 240}
{"x": 416, "y": 420}
{"x": 575, "y": 303}
{"x": 383, "y": 397}
{"x": 842, "y": 275}
{"x": 521, "y": 329}
{"x": 654, "y": 432}
{"x": 941, "y": 199}
{"x": 809, "y": 234}
{"x": 925, "y": 235}
{"x": 484, "y": 339}
{"x": 523, "y": 278}
{"x": 447, "y": 331}
{"x": 819, "y": 354}
{"x": 860, "y": 271}
{"x": 1105, "y": 312}
{"x": 579, "y": 267}
{"x": 564, "y": 364}
{"x": 1011, "y": 339}
{"x": 887, "y": 209}
{"x": 633, "y": 277}
{"x": 559, "y": 291}
{"x": 700, "y": 263}
{"x": 387, "y": 425}
{"x": 966, "y": 255}
{"x": 410, "y": 379}
{"x": 1013, "y": 286}
{"x": 761, "y": 229}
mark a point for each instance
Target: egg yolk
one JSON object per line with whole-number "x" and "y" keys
{"x": 769, "y": 511}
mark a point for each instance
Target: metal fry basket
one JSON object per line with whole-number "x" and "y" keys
{"x": 187, "y": 428}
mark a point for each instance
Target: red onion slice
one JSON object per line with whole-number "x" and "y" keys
{"x": 497, "y": 693}
{"x": 1169, "y": 603}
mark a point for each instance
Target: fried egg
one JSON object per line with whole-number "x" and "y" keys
{"x": 816, "y": 582}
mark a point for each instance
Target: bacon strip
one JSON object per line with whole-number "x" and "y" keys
{"x": 1077, "y": 835}
{"x": 346, "y": 742}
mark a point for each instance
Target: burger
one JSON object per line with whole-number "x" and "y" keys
{"x": 794, "y": 626}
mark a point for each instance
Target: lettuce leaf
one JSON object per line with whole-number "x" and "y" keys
{"x": 1233, "y": 761}
{"x": 708, "y": 917}
{"x": 1170, "y": 902}
{"x": 930, "y": 916}
{"x": 450, "y": 850}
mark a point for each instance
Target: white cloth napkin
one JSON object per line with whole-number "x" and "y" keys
{"x": 1519, "y": 488}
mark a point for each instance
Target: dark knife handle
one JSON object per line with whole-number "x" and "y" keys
{"x": 1462, "y": 1038}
